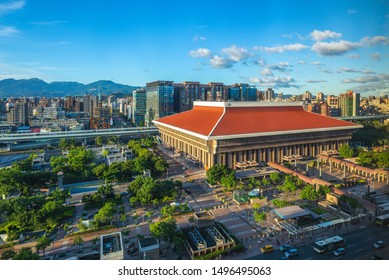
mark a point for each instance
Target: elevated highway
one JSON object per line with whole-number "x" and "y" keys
{"x": 364, "y": 118}
{"x": 20, "y": 137}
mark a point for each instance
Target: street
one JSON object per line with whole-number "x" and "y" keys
{"x": 359, "y": 246}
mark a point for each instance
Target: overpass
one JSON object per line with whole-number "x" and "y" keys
{"x": 364, "y": 118}
{"x": 83, "y": 134}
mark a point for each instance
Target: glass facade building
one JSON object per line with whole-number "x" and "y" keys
{"x": 139, "y": 107}
{"x": 159, "y": 100}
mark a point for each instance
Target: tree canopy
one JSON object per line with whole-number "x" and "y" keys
{"x": 345, "y": 151}
{"x": 165, "y": 229}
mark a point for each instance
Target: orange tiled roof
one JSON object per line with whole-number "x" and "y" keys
{"x": 200, "y": 119}
{"x": 211, "y": 121}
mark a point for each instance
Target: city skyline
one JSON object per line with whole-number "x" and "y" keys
{"x": 290, "y": 47}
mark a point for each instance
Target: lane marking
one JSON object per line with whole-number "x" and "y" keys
{"x": 360, "y": 250}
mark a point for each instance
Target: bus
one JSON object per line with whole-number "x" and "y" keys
{"x": 329, "y": 244}
{"x": 382, "y": 220}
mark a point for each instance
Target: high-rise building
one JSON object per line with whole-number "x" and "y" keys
{"x": 139, "y": 106}
{"x": 333, "y": 103}
{"x": 90, "y": 102}
{"x": 324, "y": 109}
{"x": 356, "y": 103}
{"x": 307, "y": 96}
{"x": 184, "y": 95}
{"x": 215, "y": 92}
{"x": 349, "y": 104}
{"x": 159, "y": 100}
{"x": 320, "y": 97}
{"x": 242, "y": 92}
{"x": 18, "y": 113}
{"x": 268, "y": 94}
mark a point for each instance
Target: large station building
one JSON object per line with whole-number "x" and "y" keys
{"x": 241, "y": 134}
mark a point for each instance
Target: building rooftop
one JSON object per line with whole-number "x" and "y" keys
{"x": 220, "y": 120}
{"x": 291, "y": 212}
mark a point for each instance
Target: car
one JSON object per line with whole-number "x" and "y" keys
{"x": 267, "y": 249}
{"x": 378, "y": 244}
{"x": 285, "y": 247}
{"x": 339, "y": 251}
{"x": 291, "y": 253}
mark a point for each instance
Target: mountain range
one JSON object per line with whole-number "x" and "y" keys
{"x": 37, "y": 87}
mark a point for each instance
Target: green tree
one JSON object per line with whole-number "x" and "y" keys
{"x": 275, "y": 177}
{"x": 79, "y": 158}
{"x": 309, "y": 193}
{"x": 229, "y": 181}
{"x": 144, "y": 189}
{"x": 253, "y": 183}
{"x": 280, "y": 203}
{"x": 99, "y": 171}
{"x": 106, "y": 191}
{"x": 6, "y": 255}
{"x": 58, "y": 163}
{"x": 25, "y": 164}
{"x": 165, "y": 229}
{"x": 216, "y": 172}
{"x": 148, "y": 142}
{"x": 99, "y": 141}
{"x": 78, "y": 241}
{"x": 43, "y": 243}
{"x": 260, "y": 217}
{"x": 63, "y": 143}
{"x": 26, "y": 254}
{"x": 168, "y": 210}
{"x": 345, "y": 151}
{"x": 105, "y": 214}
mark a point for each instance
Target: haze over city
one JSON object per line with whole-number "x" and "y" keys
{"x": 288, "y": 46}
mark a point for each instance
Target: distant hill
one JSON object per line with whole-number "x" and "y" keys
{"x": 37, "y": 87}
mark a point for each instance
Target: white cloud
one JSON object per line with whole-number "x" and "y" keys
{"x": 352, "y": 11}
{"x": 371, "y": 41}
{"x": 200, "y": 52}
{"x": 292, "y": 35}
{"x": 334, "y": 48}
{"x": 282, "y": 67}
{"x": 354, "y": 70}
{"x": 282, "y": 48}
{"x": 255, "y": 80}
{"x": 236, "y": 54}
{"x": 317, "y": 63}
{"x": 318, "y": 35}
{"x": 316, "y": 81}
{"x": 300, "y": 62}
{"x": 266, "y": 72}
{"x": 260, "y": 62}
{"x": 375, "y": 88}
{"x": 279, "y": 82}
{"x": 6, "y": 31}
{"x": 11, "y": 6}
{"x": 364, "y": 79}
{"x": 202, "y": 26}
{"x": 221, "y": 62}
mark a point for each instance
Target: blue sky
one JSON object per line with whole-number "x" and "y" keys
{"x": 291, "y": 46}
